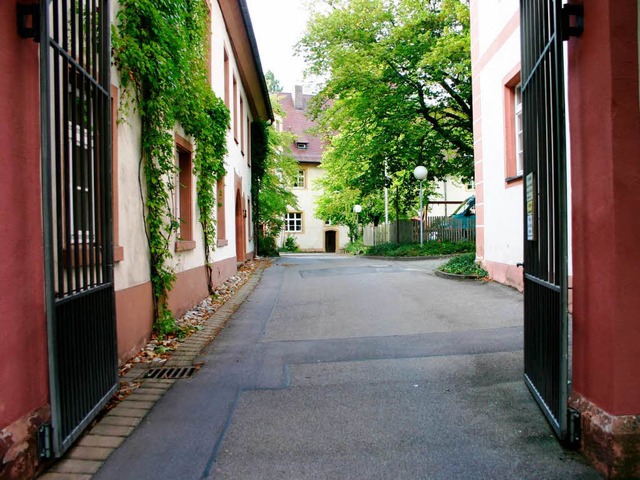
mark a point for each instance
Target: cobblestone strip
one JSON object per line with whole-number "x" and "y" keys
{"x": 83, "y": 460}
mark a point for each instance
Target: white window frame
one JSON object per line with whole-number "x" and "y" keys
{"x": 293, "y": 222}
{"x": 301, "y": 179}
{"x": 518, "y": 128}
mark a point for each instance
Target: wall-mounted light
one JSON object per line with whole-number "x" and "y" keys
{"x": 572, "y": 21}
{"x": 28, "y": 20}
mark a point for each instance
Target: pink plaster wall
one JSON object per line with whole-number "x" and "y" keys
{"x": 605, "y": 144}
{"x": 23, "y": 352}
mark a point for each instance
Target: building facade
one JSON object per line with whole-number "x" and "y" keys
{"x": 599, "y": 60}
{"x": 37, "y": 270}
{"x": 498, "y": 150}
{"x": 311, "y": 234}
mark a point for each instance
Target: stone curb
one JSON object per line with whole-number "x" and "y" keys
{"x": 88, "y": 455}
{"x": 455, "y": 276}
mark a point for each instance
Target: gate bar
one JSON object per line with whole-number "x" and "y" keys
{"x": 47, "y": 220}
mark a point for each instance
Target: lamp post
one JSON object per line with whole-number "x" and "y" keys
{"x": 420, "y": 173}
{"x": 357, "y": 209}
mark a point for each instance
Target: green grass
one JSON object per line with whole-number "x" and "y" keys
{"x": 464, "y": 265}
{"x": 428, "y": 249}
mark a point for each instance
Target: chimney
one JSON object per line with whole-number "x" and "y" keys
{"x": 298, "y": 100}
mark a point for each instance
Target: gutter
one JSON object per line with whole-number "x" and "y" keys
{"x": 256, "y": 56}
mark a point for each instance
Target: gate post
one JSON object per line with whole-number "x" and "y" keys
{"x": 604, "y": 106}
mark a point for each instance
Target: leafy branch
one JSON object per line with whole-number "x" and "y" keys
{"x": 160, "y": 51}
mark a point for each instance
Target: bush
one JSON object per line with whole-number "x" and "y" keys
{"x": 355, "y": 248}
{"x": 267, "y": 246}
{"x": 428, "y": 249}
{"x": 464, "y": 265}
{"x": 290, "y": 245}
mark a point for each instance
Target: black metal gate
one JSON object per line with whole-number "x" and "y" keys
{"x": 76, "y": 180}
{"x": 545, "y": 245}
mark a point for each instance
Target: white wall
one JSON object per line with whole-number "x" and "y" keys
{"x": 313, "y": 236}
{"x": 235, "y": 161}
{"x": 498, "y": 56}
{"x": 448, "y": 190}
{"x": 134, "y": 269}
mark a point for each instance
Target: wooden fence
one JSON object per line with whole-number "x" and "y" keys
{"x": 408, "y": 231}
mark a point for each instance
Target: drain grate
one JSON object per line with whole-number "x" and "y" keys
{"x": 170, "y": 372}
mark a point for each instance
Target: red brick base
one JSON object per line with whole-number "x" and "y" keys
{"x": 611, "y": 443}
{"x": 19, "y": 446}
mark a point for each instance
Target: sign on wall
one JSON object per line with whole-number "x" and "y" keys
{"x": 531, "y": 206}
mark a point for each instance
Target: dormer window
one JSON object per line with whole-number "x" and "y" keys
{"x": 302, "y": 145}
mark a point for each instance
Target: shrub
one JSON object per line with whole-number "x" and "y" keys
{"x": 428, "y": 249}
{"x": 267, "y": 246}
{"x": 290, "y": 245}
{"x": 464, "y": 265}
{"x": 355, "y": 248}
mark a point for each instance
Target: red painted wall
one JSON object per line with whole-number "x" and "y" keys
{"x": 23, "y": 341}
{"x": 605, "y": 142}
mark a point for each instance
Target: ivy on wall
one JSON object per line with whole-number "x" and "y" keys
{"x": 160, "y": 49}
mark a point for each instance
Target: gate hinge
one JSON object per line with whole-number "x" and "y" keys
{"x": 574, "y": 433}
{"x": 572, "y": 21}
{"x": 45, "y": 442}
{"x": 28, "y": 18}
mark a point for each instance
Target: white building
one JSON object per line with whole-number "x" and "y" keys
{"x": 236, "y": 76}
{"x": 447, "y": 196}
{"x": 497, "y": 138}
{"x": 311, "y": 234}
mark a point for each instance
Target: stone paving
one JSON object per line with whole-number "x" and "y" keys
{"x": 83, "y": 460}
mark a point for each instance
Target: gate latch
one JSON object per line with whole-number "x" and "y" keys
{"x": 45, "y": 442}
{"x": 28, "y": 19}
{"x": 574, "y": 428}
{"x": 572, "y": 21}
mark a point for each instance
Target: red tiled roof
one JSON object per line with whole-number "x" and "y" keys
{"x": 297, "y": 122}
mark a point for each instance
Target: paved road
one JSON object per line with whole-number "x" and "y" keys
{"x": 348, "y": 368}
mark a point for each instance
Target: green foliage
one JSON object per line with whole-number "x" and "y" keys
{"x": 273, "y": 172}
{"x": 273, "y": 84}
{"x": 290, "y": 245}
{"x": 464, "y": 265}
{"x": 431, "y": 248}
{"x": 398, "y": 95}
{"x": 356, "y": 247}
{"x": 268, "y": 246}
{"x": 160, "y": 51}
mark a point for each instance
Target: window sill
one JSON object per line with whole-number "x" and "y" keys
{"x": 222, "y": 242}
{"x": 118, "y": 253}
{"x": 510, "y": 181}
{"x": 185, "y": 245}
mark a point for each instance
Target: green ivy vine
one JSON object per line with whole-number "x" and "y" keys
{"x": 160, "y": 50}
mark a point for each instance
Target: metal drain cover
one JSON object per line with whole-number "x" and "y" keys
{"x": 173, "y": 373}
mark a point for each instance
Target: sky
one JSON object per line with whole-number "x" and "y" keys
{"x": 278, "y": 25}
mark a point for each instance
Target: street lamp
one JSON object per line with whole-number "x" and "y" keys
{"x": 357, "y": 209}
{"x": 420, "y": 173}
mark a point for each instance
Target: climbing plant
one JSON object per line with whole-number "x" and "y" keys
{"x": 160, "y": 50}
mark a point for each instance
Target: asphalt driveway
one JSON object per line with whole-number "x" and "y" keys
{"x": 348, "y": 368}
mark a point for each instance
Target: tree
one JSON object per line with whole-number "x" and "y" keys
{"x": 274, "y": 170}
{"x": 273, "y": 85}
{"x": 397, "y": 95}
